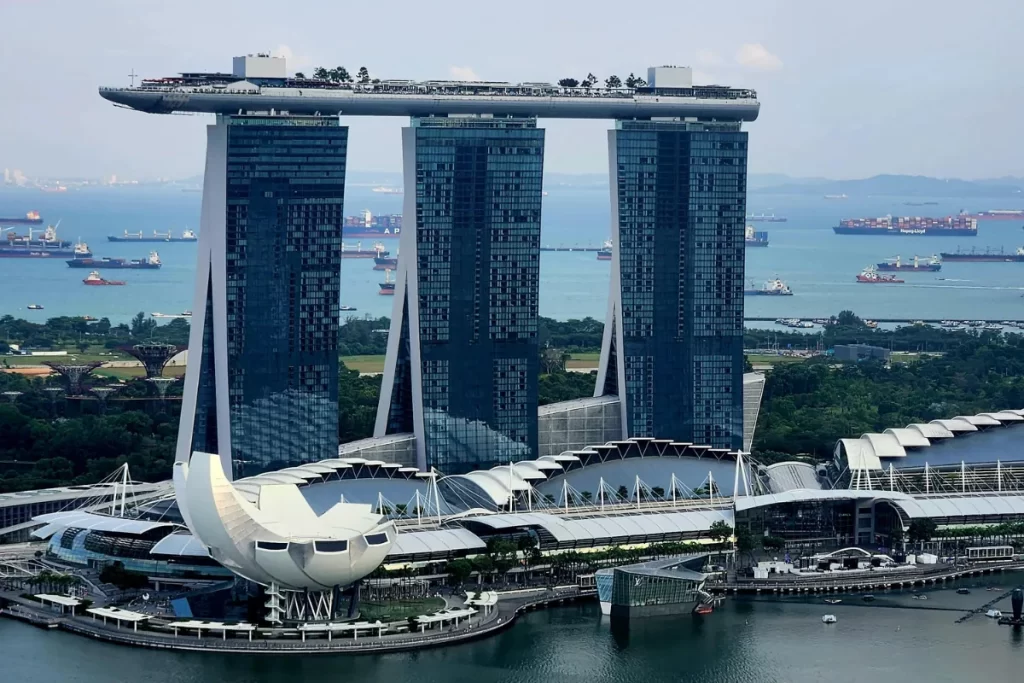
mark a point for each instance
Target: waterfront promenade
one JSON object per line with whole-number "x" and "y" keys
{"x": 159, "y": 635}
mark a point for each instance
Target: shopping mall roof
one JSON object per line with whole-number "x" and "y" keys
{"x": 94, "y": 522}
{"x": 784, "y": 476}
{"x": 182, "y": 544}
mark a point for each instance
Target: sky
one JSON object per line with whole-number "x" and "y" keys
{"x": 847, "y": 89}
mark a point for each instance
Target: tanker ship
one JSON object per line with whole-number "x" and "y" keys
{"x": 950, "y": 226}
{"x": 387, "y": 288}
{"x": 30, "y": 218}
{"x": 187, "y": 236}
{"x": 987, "y": 256}
{"x": 151, "y": 263}
{"x": 930, "y": 265}
{"x": 755, "y": 238}
{"x": 998, "y": 215}
{"x": 378, "y": 251}
{"x": 766, "y": 218}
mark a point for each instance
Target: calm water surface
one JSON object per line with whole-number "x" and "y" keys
{"x": 745, "y": 641}
{"x": 819, "y": 266}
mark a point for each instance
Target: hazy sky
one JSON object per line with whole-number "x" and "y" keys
{"x": 848, "y": 89}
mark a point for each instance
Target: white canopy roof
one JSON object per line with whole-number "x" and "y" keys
{"x": 957, "y": 424}
{"x": 94, "y": 522}
{"x": 909, "y": 438}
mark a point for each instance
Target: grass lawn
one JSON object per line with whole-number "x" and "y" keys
{"x": 364, "y": 363}
{"x": 773, "y": 360}
{"x": 396, "y": 610}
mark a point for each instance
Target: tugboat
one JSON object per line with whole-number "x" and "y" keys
{"x": 871, "y": 275}
{"x": 387, "y": 288}
{"x": 774, "y": 287}
{"x": 932, "y": 265}
{"x": 151, "y": 263}
{"x": 95, "y": 280}
{"x": 605, "y": 252}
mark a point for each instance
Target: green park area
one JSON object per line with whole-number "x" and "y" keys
{"x": 400, "y": 609}
{"x": 48, "y": 438}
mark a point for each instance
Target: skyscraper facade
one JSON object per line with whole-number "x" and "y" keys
{"x": 263, "y": 390}
{"x": 673, "y": 342}
{"x": 462, "y": 362}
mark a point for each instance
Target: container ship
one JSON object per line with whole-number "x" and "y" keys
{"x": 755, "y": 238}
{"x": 987, "y": 256}
{"x": 48, "y": 239}
{"x": 605, "y": 252}
{"x": 93, "y": 279}
{"x": 929, "y": 265}
{"x": 998, "y": 215}
{"x": 378, "y": 251}
{"x": 950, "y": 226}
{"x": 872, "y": 276}
{"x": 79, "y": 250}
{"x": 187, "y": 236}
{"x": 774, "y": 287}
{"x": 150, "y": 263}
{"x": 766, "y": 218}
{"x": 387, "y": 288}
{"x": 375, "y": 227}
{"x": 30, "y": 218}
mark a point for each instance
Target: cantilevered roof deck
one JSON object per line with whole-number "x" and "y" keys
{"x": 435, "y": 98}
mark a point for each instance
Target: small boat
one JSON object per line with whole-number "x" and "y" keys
{"x": 993, "y": 614}
{"x": 872, "y": 276}
{"x": 920, "y": 597}
{"x": 833, "y": 601}
{"x": 94, "y": 279}
{"x": 829, "y": 619}
{"x": 34, "y": 307}
{"x": 703, "y": 608}
{"x": 868, "y": 598}
{"x": 348, "y": 309}
{"x": 963, "y": 591}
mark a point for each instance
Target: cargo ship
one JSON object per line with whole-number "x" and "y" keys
{"x": 930, "y": 265}
{"x": 605, "y": 252}
{"x": 774, "y": 287}
{"x": 94, "y": 279}
{"x": 187, "y": 236}
{"x": 998, "y": 215}
{"x": 378, "y": 251}
{"x": 872, "y": 276}
{"x": 382, "y": 261}
{"x": 387, "y": 288}
{"x": 366, "y": 224}
{"x": 150, "y": 263}
{"x": 950, "y": 226}
{"x": 185, "y": 315}
{"x": 987, "y": 256}
{"x": 30, "y": 218}
{"x": 79, "y": 250}
{"x": 766, "y": 218}
{"x": 755, "y": 238}
{"x": 47, "y": 240}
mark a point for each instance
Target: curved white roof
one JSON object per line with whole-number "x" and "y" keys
{"x": 783, "y": 476}
{"x": 931, "y": 430}
{"x": 182, "y": 545}
{"x": 909, "y": 438}
{"x": 979, "y": 420}
{"x": 914, "y": 507}
{"x": 956, "y": 424}
{"x": 435, "y": 541}
{"x": 275, "y": 478}
{"x": 1003, "y": 416}
{"x": 885, "y": 445}
{"x": 611, "y": 529}
{"x": 860, "y": 455}
{"x": 94, "y": 522}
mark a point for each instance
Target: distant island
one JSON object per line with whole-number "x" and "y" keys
{"x": 888, "y": 185}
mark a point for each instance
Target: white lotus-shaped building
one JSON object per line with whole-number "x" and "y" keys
{"x": 279, "y": 541}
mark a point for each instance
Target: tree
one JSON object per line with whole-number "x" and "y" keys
{"x": 568, "y": 83}
{"x": 744, "y": 542}
{"x": 587, "y": 496}
{"x": 613, "y": 82}
{"x": 773, "y": 543}
{"x": 631, "y": 81}
{"x": 459, "y": 570}
{"x": 364, "y": 75}
{"x": 640, "y": 83}
{"x": 921, "y": 530}
{"x": 623, "y": 492}
{"x": 321, "y": 74}
{"x": 720, "y": 531}
{"x": 896, "y": 534}
{"x": 589, "y": 81}
{"x": 658, "y": 492}
{"x": 299, "y": 74}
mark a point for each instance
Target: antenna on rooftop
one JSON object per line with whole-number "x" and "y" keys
{"x": 133, "y": 76}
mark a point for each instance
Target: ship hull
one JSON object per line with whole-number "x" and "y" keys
{"x": 878, "y": 281}
{"x": 759, "y": 292}
{"x": 983, "y": 258}
{"x": 36, "y": 253}
{"x": 903, "y": 268}
{"x": 160, "y": 240}
{"x": 358, "y": 254}
{"x": 92, "y": 264}
{"x": 997, "y": 217}
{"x": 353, "y": 233}
{"x": 911, "y": 232}
{"x": 756, "y": 243}
{"x": 21, "y": 221}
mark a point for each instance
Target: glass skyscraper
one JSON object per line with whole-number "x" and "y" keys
{"x": 462, "y": 363}
{"x": 263, "y": 391}
{"x": 673, "y": 343}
